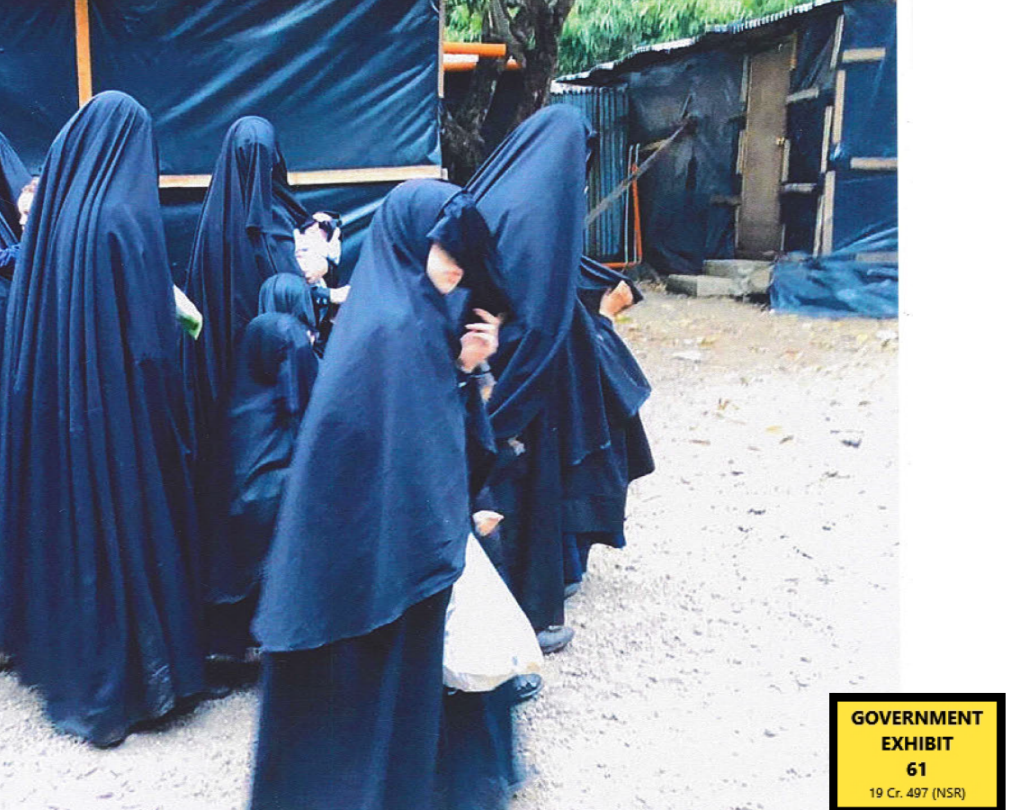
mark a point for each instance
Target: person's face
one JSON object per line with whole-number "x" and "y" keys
{"x": 443, "y": 270}
{"x": 311, "y": 253}
{"x": 25, "y": 205}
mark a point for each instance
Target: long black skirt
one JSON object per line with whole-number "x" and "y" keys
{"x": 364, "y": 723}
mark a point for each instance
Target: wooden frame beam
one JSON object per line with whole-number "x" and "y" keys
{"x": 82, "y": 44}
{"x": 851, "y": 55}
{"x": 803, "y": 95}
{"x": 875, "y": 164}
{"x": 323, "y": 177}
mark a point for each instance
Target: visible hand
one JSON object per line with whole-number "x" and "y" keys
{"x": 616, "y": 300}
{"x": 480, "y": 341}
{"x": 485, "y": 521}
{"x": 340, "y": 294}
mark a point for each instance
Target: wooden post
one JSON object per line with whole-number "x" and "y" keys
{"x": 82, "y": 38}
{"x": 442, "y": 34}
{"x": 828, "y": 214}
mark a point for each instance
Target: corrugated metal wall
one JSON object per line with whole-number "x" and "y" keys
{"x": 607, "y": 110}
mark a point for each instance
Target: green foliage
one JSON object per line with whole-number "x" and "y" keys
{"x": 602, "y": 30}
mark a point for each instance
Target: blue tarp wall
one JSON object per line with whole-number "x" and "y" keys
{"x": 857, "y": 273}
{"x": 840, "y": 218}
{"x": 348, "y": 84}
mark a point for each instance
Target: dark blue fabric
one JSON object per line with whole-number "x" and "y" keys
{"x": 356, "y": 723}
{"x": 274, "y": 373}
{"x": 38, "y": 74}
{"x": 836, "y": 286}
{"x": 311, "y": 66}
{"x": 243, "y": 238}
{"x": 477, "y": 766}
{"x": 681, "y": 225}
{"x": 870, "y": 119}
{"x": 13, "y": 178}
{"x": 289, "y": 294}
{"x": 531, "y": 193}
{"x": 376, "y": 514}
{"x": 97, "y": 601}
{"x": 526, "y": 487}
{"x": 595, "y": 279}
{"x": 866, "y": 216}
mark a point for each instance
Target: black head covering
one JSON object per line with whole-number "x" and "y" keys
{"x": 243, "y": 237}
{"x": 595, "y": 279}
{"x": 376, "y": 513}
{"x": 96, "y": 602}
{"x": 289, "y": 294}
{"x": 275, "y": 369}
{"x": 531, "y": 193}
{"x": 13, "y": 177}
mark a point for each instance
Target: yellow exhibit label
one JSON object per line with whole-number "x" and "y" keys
{"x": 909, "y": 750}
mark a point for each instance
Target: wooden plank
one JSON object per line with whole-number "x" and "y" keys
{"x": 803, "y": 95}
{"x": 884, "y": 257}
{"x": 840, "y": 101}
{"x": 745, "y": 78}
{"x": 442, "y": 48}
{"x": 828, "y": 214}
{"x": 826, "y": 139}
{"x": 784, "y": 174}
{"x": 799, "y": 188}
{"x": 324, "y": 177}
{"x": 818, "y": 222}
{"x": 724, "y": 199}
{"x": 82, "y": 42}
{"x": 837, "y": 45}
{"x": 875, "y": 164}
{"x": 863, "y": 55}
{"x": 763, "y": 157}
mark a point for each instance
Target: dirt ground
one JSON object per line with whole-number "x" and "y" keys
{"x": 761, "y": 574}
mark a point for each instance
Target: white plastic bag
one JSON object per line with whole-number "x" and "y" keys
{"x": 488, "y": 637}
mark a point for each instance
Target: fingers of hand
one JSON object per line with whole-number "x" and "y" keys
{"x": 487, "y": 317}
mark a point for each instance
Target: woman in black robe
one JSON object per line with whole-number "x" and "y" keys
{"x": 13, "y": 178}
{"x": 547, "y": 407}
{"x": 289, "y": 294}
{"x": 96, "y": 508}
{"x": 275, "y": 370}
{"x": 244, "y": 236}
{"x": 596, "y": 489}
{"x": 371, "y": 536}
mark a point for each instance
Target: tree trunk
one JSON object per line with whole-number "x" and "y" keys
{"x": 532, "y": 37}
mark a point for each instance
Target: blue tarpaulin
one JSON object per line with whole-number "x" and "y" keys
{"x": 348, "y": 84}
{"x": 859, "y": 275}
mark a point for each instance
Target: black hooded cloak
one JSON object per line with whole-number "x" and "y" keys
{"x": 13, "y": 178}
{"x": 275, "y": 369}
{"x": 243, "y": 237}
{"x": 289, "y": 294}
{"x": 547, "y": 408}
{"x": 96, "y": 509}
{"x": 370, "y": 537}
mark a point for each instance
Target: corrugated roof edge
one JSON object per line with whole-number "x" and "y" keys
{"x": 712, "y": 32}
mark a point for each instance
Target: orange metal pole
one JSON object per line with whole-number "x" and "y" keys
{"x": 462, "y": 65}
{"x": 492, "y": 49}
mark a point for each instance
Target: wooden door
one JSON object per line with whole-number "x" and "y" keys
{"x": 758, "y": 226}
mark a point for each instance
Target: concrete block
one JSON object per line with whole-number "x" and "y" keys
{"x": 700, "y": 286}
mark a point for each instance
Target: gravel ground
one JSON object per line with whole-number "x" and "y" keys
{"x": 761, "y": 574}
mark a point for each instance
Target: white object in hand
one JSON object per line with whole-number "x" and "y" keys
{"x": 488, "y": 637}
